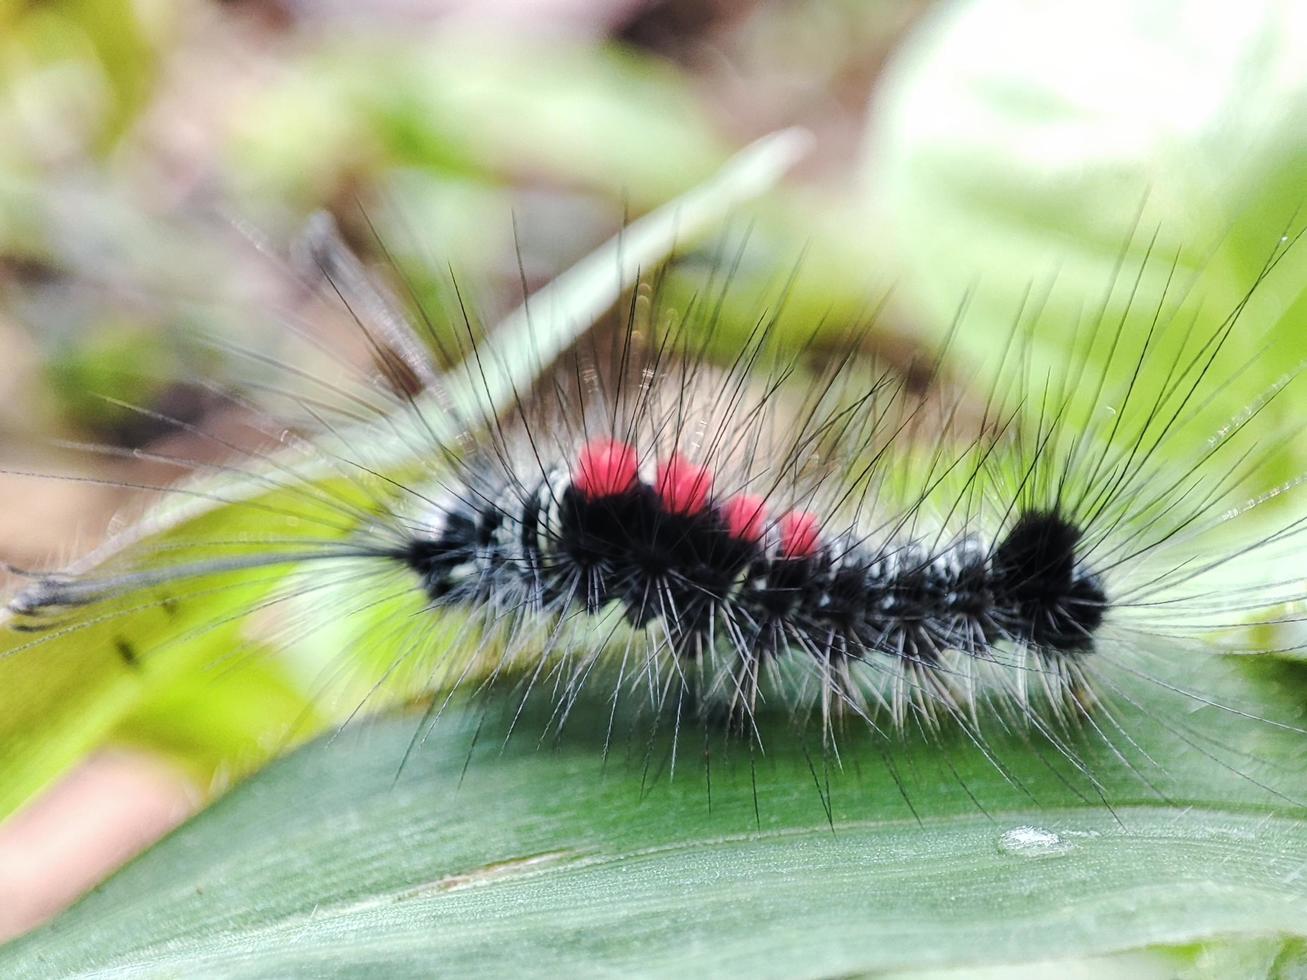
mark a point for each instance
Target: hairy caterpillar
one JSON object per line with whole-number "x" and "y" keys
{"x": 715, "y": 526}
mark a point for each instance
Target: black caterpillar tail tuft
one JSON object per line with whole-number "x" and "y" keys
{"x": 1043, "y": 593}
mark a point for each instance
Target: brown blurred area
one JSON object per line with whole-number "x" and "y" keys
{"x": 99, "y": 816}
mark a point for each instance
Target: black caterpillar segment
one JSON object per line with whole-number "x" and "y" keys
{"x": 1041, "y": 592}
{"x": 705, "y": 571}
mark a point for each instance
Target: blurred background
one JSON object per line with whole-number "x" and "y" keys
{"x": 1107, "y": 158}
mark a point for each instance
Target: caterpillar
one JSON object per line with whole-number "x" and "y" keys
{"x": 720, "y": 525}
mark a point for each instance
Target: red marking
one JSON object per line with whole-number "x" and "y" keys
{"x": 744, "y": 515}
{"x": 798, "y": 534}
{"x": 605, "y": 469}
{"x": 682, "y": 486}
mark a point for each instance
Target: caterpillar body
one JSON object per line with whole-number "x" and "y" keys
{"x": 784, "y": 528}
{"x": 703, "y": 575}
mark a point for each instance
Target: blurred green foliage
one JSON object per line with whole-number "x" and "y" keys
{"x": 1040, "y": 166}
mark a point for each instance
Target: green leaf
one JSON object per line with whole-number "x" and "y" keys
{"x": 519, "y": 855}
{"x": 218, "y": 723}
{"x": 63, "y": 691}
